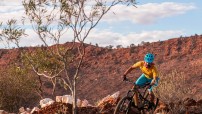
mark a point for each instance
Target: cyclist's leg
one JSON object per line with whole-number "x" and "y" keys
{"x": 136, "y": 99}
{"x": 151, "y": 92}
{"x": 156, "y": 84}
{"x": 140, "y": 82}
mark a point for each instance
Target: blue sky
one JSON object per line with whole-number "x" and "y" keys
{"x": 190, "y": 21}
{"x": 151, "y": 21}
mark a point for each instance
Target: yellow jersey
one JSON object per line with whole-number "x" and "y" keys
{"x": 149, "y": 72}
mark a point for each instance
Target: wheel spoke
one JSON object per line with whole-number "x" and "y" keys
{"x": 123, "y": 106}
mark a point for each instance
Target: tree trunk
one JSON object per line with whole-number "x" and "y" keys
{"x": 74, "y": 97}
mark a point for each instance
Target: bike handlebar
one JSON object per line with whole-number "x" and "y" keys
{"x": 127, "y": 80}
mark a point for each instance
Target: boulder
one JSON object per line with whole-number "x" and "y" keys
{"x": 67, "y": 99}
{"x": 46, "y": 102}
{"x": 58, "y": 98}
{"x": 84, "y": 103}
{"x": 3, "y": 112}
{"x": 22, "y": 109}
{"x": 35, "y": 109}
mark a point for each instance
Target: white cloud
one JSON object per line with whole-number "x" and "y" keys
{"x": 144, "y": 14}
{"x": 105, "y": 38}
{"x": 10, "y": 11}
{"x": 10, "y": 2}
{"x": 33, "y": 39}
{"x": 147, "y": 13}
{"x": 11, "y": 15}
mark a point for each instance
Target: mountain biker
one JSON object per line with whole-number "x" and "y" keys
{"x": 149, "y": 71}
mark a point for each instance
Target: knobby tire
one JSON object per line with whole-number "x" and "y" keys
{"x": 123, "y": 106}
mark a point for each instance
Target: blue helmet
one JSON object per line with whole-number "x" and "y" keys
{"x": 149, "y": 58}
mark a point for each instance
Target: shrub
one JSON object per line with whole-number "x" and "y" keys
{"x": 172, "y": 89}
{"x": 17, "y": 87}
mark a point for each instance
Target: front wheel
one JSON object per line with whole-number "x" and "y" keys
{"x": 149, "y": 107}
{"x": 123, "y": 106}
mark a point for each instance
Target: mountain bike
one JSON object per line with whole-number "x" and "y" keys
{"x": 128, "y": 102}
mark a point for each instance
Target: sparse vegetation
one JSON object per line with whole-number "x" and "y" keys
{"x": 119, "y": 46}
{"x": 109, "y": 47}
{"x": 17, "y": 85}
{"x": 17, "y": 88}
{"x": 172, "y": 90}
{"x": 132, "y": 50}
{"x": 50, "y": 23}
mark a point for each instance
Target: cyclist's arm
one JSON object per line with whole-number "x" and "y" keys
{"x": 128, "y": 70}
{"x": 153, "y": 81}
{"x": 132, "y": 67}
{"x": 155, "y": 73}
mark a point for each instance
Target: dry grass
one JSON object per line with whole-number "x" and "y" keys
{"x": 172, "y": 89}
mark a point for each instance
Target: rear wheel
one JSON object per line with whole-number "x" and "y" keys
{"x": 124, "y": 106}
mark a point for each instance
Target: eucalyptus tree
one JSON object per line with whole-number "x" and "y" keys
{"x": 51, "y": 20}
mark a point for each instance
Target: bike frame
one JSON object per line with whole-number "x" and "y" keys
{"x": 145, "y": 105}
{"x": 135, "y": 90}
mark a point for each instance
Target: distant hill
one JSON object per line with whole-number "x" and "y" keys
{"x": 103, "y": 67}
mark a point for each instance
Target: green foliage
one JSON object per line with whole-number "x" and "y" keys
{"x": 17, "y": 88}
{"x": 11, "y": 32}
{"x": 50, "y": 19}
{"x": 46, "y": 60}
